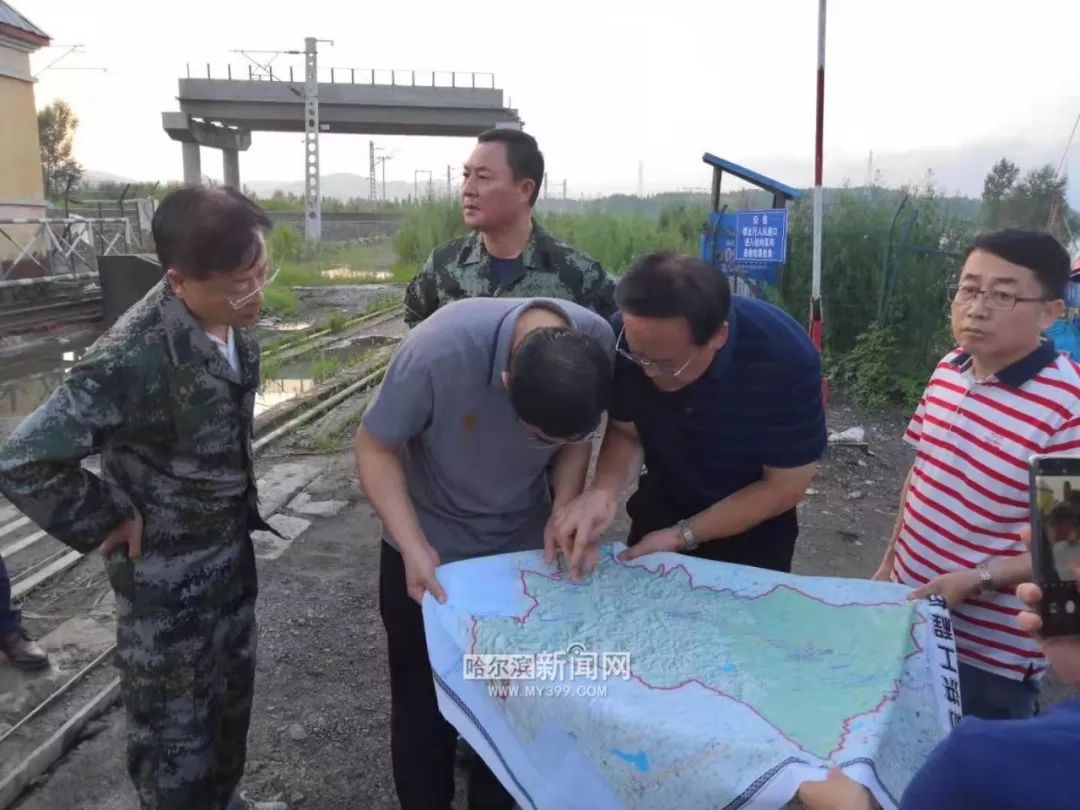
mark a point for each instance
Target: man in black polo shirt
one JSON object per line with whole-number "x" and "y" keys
{"x": 721, "y": 398}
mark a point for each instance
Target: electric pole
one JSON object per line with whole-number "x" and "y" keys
{"x": 312, "y": 196}
{"x": 416, "y": 182}
{"x": 382, "y": 160}
{"x": 371, "y": 171}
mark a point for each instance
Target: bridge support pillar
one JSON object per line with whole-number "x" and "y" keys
{"x": 192, "y": 162}
{"x": 231, "y": 167}
{"x": 193, "y": 135}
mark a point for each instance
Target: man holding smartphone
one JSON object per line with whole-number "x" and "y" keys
{"x": 1004, "y": 395}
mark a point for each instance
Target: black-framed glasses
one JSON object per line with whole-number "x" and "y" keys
{"x": 661, "y": 368}
{"x": 998, "y": 300}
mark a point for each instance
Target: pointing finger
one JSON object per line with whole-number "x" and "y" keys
{"x": 135, "y": 542}
{"x": 437, "y": 590}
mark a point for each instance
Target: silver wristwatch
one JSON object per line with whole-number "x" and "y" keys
{"x": 689, "y": 542}
{"x": 986, "y": 579}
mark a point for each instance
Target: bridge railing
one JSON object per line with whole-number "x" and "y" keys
{"x": 345, "y": 75}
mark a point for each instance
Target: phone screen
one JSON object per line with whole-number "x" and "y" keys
{"x": 1057, "y": 500}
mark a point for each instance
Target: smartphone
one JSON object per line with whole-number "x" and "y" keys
{"x": 1055, "y": 540}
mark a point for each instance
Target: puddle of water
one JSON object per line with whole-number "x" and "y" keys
{"x": 20, "y": 396}
{"x": 291, "y": 326}
{"x": 357, "y": 275}
{"x": 279, "y": 390}
{"x": 25, "y": 384}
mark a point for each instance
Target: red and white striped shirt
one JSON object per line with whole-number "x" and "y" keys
{"x": 968, "y": 498}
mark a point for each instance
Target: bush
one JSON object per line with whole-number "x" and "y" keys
{"x": 426, "y": 227}
{"x": 888, "y": 259}
{"x": 614, "y": 240}
{"x": 284, "y": 244}
{"x": 336, "y": 322}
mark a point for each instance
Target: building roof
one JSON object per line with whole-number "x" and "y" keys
{"x": 15, "y": 25}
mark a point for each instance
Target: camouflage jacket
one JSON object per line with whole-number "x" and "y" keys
{"x": 173, "y": 424}
{"x": 549, "y": 268}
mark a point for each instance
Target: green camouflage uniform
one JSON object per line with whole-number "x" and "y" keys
{"x": 173, "y": 424}
{"x": 548, "y": 268}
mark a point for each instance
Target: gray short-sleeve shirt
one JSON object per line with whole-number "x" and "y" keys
{"x": 475, "y": 474}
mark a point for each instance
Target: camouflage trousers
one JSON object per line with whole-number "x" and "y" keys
{"x": 186, "y": 655}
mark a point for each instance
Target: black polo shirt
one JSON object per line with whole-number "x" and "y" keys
{"x": 759, "y": 404}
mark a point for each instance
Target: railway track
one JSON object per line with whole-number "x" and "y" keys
{"x": 25, "y": 318}
{"x": 58, "y": 587}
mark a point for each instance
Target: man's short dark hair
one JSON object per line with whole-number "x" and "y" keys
{"x": 666, "y": 284}
{"x": 522, "y": 153}
{"x": 202, "y": 232}
{"x": 560, "y": 382}
{"x": 1038, "y": 251}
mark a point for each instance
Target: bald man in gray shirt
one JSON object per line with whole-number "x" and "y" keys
{"x": 480, "y": 400}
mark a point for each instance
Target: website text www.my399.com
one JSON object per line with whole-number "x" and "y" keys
{"x": 510, "y": 689}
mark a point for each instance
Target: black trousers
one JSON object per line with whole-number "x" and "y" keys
{"x": 769, "y": 545}
{"x": 422, "y": 743}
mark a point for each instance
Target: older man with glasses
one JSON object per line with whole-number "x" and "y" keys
{"x": 721, "y": 398}
{"x": 167, "y": 397}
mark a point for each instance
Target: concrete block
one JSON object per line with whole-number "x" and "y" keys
{"x": 303, "y": 504}
{"x": 269, "y": 546}
{"x": 278, "y": 486}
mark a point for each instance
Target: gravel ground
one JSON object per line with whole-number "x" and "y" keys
{"x": 320, "y": 732}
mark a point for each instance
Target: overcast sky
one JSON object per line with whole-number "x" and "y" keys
{"x": 603, "y": 85}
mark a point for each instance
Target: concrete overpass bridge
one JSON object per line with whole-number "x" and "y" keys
{"x": 221, "y": 111}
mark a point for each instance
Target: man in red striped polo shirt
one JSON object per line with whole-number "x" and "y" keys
{"x": 1002, "y": 396}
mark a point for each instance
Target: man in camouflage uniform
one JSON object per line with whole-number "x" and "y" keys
{"x": 508, "y": 254}
{"x": 166, "y": 397}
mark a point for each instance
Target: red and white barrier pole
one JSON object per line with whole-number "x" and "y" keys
{"x": 817, "y": 320}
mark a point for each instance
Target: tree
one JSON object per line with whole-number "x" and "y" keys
{"x": 56, "y": 130}
{"x": 1037, "y": 200}
{"x": 1039, "y": 195}
{"x": 997, "y": 188}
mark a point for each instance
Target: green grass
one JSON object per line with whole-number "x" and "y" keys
{"x": 327, "y": 443}
{"x": 380, "y": 302}
{"x": 614, "y": 240}
{"x": 328, "y": 365}
{"x": 281, "y": 301}
{"x": 304, "y": 264}
{"x": 335, "y": 323}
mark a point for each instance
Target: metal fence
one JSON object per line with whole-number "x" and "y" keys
{"x": 64, "y": 246}
{"x": 344, "y": 75}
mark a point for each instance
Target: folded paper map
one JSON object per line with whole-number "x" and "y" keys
{"x": 674, "y": 682}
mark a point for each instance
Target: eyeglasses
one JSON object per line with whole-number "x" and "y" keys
{"x": 662, "y": 368}
{"x": 240, "y": 303}
{"x": 998, "y": 300}
{"x": 541, "y": 442}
